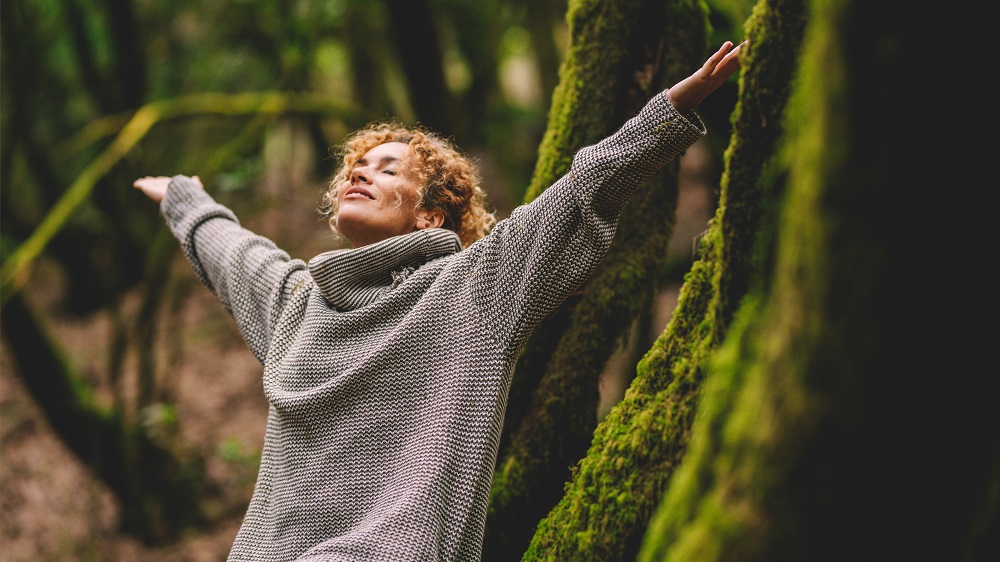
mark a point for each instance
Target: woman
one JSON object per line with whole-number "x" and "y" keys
{"x": 387, "y": 365}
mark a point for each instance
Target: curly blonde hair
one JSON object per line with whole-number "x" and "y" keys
{"x": 448, "y": 180}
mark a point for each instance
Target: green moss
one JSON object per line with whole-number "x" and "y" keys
{"x": 590, "y": 103}
{"x": 660, "y": 407}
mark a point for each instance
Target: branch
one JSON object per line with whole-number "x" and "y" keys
{"x": 17, "y": 269}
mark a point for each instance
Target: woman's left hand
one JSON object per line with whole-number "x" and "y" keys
{"x": 690, "y": 92}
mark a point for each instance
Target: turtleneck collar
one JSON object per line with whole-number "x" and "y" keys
{"x": 353, "y": 278}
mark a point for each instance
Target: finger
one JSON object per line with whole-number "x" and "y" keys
{"x": 736, "y": 52}
{"x": 719, "y": 55}
{"x": 730, "y": 62}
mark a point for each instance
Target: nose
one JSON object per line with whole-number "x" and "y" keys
{"x": 359, "y": 175}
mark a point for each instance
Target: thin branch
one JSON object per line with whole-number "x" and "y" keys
{"x": 17, "y": 269}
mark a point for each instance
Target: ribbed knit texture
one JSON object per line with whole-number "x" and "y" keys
{"x": 387, "y": 367}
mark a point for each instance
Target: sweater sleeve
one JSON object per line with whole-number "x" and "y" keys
{"x": 533, "y": 260}
{"x": 248, "y": 272}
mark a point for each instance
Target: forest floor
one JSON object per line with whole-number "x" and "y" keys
{"x": 52, "y": 507}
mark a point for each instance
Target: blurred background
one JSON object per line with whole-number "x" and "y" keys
{"x": 109, "y": 340}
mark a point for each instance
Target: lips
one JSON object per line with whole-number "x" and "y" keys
{"x": 359, "y": 191}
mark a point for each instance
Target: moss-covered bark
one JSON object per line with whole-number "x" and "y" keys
{"x": 616, "y": 488}
{"x": 621, "y": 54}
{"x": 836, "y": 424}
{"x": 774, "y": 30}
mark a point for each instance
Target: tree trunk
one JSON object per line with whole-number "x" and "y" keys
{"x": 838, "y": 420}
{"x": 418, "y": 45}
{"x": 616, "y": 488}
{"x": 633, "y": 50}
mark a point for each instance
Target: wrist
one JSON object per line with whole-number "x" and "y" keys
{"x": 679, "y": 102}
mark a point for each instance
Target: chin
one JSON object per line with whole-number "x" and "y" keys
{"x": 343, "y": 227}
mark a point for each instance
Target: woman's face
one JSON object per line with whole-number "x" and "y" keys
{"x": 379, "y": 199}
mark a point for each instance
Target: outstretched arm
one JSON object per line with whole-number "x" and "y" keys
{"x": 690, "y": 92}
{"x": 246, "y": 271}
{"x": 546, "y": 249}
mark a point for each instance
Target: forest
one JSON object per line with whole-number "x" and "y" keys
{"x": 784, "y": 356}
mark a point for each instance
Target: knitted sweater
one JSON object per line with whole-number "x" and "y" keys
{"x": 387, "y": 367}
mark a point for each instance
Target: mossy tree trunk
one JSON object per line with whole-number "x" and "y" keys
{"x": 621, "y": 53}
{"x": 617, "y": 486}
{"x": 841, "y": 418}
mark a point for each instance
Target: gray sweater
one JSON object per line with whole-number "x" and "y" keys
{"x": 387, "y": 367}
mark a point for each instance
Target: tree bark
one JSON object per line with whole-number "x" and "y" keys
{"x": 616, "y": 488}
{"x": 835, "y": 420}
{"x": 621, "y": 54}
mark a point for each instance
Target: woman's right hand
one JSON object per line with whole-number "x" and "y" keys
{"x": 155, "y": 187}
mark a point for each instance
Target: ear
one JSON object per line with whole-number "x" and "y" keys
{"x": 429, "y": 219}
